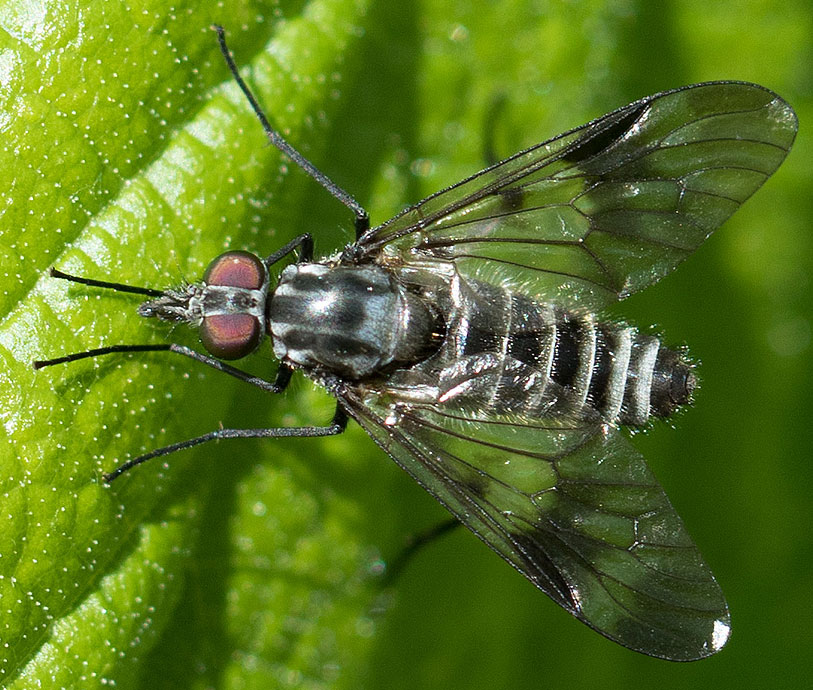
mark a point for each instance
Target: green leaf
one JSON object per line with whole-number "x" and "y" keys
{"x": 136, "y": 159}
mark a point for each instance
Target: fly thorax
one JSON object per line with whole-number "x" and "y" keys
{"x": 351, "y": 321}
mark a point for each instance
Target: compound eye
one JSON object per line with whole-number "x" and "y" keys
{"x": 236, "y": 269}
{"x": 230, "y": 336}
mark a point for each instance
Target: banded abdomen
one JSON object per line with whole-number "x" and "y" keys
{"x": 513, "y": 354}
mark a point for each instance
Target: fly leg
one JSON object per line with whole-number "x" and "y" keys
{"x": 361, "y": 217}
{"x": 305, "y": 245}
{"x": 493, "y": 115}
{"x": 415, "y": 544}
{"x": 278, "y": 385}
{"x": 337, "y": 426}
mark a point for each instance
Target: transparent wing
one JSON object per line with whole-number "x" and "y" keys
{"x": 606, "y": 209}
{"x": 574, "y": 508}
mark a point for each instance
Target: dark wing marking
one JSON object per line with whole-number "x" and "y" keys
{"x": 606, "y": 209}
{"x": 570, "y": 505}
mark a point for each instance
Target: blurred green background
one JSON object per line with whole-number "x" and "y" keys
{"x": 254, "y": 564}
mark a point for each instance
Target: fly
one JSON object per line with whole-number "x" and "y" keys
{"x": 462, "y": 336}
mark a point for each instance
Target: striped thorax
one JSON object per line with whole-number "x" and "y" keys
{"x": 351, "y": 321}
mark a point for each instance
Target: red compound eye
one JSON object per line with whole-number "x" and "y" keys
{"x": 230, "y": 336}
{"x": 236, "y": 269}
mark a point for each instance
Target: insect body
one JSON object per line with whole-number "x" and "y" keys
{"x": 462, "y": 336}
{"x": 439, "y": 338}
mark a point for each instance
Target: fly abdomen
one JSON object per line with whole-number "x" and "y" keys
{"x": 520, "y": 356}
{"x": 625, "y": 375}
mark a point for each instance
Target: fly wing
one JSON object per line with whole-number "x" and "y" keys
{"x": 573, "y": 507}
{"x": 604, "y": 210}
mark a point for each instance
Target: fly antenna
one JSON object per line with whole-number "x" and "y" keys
{"x": 118, "y": 287}
{"x": 362, "y": 220}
